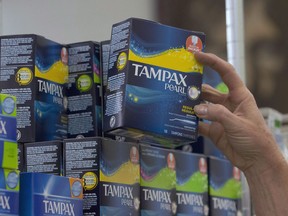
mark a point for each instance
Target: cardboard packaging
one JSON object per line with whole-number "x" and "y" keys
{"x": 44, "y": 157}
{"x": 225, "y": 188}
{"x": 21, "y": 160}
{"x": 46, "y": 194}
{"x": 191, "y": 184}
{"x": 158, "y": 181}
{"x": 9, "y": 192}
{"x": 8, "y": 120}
{"x": 84, "y": 90}
{"x": 153, "y": 82}
{"x": 8, "y": 137}
{"x": 110, "y": 172}
{"x": 34, "y": 69}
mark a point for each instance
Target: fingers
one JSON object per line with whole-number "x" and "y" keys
{"x": 203, "y": 129}
{"x": 217, "y": 113}
{"x": 225, "y": 70}
{"x": 212, "y": 95}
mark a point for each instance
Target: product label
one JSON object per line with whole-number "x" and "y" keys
{"x": 34, "y": 70}
{"x": 56, "y": 206}
{"x": 158, "y": 182}
{"x": 44, "y": 158}
{"x": 119, "y": 199}
{"x": 8, "y": 128}
{"x": 50, "y": 195}
{"x": 224, "y": 188}
{"x": 81, "y": 161}
{"x": 119, "y": 178}
{"x": 9, "y": 202}
{"x": 84, "y": 101}
{"x": 9, "y": 192}
{"x": 16, "y": 77}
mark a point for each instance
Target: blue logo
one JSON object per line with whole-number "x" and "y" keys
{"x": 8, "y": 105}
{"x": 76, "y": 188}
{"x": 12, "y": 180}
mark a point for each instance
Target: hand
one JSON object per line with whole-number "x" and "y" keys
{"x": 237, "y": 127}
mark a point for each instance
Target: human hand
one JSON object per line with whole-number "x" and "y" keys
{"x": 237, "y": 127}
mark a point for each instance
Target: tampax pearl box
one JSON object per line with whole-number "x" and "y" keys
{"x": 110, "y": 173}
{"x": 35, "y": 70}
{"x": 153, "y": 82}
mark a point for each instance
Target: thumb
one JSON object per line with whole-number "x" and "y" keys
{"x": 217, "y": 113}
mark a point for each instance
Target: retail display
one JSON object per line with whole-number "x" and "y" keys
{"x": 114, "y": 120}
{"x": 9, "y": 175}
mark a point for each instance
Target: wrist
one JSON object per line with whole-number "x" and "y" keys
{"x": 268, "y": 188}
{"x": 273, "y": 167}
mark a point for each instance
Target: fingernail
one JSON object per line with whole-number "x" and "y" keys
{"x": 204, "y": 87}
{"x": 201, "y": 109}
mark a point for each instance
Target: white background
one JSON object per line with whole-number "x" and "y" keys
{"x": 67, "y": 21}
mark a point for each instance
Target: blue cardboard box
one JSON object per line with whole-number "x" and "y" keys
{"x": 225, "y": 188}
{"x": 47, "y": 194}
{"x": 191, "y": 184}
{"x": 9, "y": 192}
{"x": 153, "y": 82}
{"x": 84, "y": 90}
{"x": 35, "y": 70}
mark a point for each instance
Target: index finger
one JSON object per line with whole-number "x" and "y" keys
{"x": 225, "y": 70}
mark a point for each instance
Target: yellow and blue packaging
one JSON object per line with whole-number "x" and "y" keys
{"x": 154, "y": 82}
{"x": 35, "y": 70}
{"x": 110, "y": 172}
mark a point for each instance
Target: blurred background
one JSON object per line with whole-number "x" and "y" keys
{"x": 265, "y": 30}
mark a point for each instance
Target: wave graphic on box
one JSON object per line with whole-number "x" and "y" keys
{"x": 178, "y": 58}
{"x": 159, "y": 179}
{"x": 196, "y": 183}
{"x": 126, "y": 173}
{"x": 57, "y": 72}
{"x": 230, "y": 189}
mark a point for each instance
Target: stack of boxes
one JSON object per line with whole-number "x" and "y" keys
{"x": 144, "y": 89}
{"x": 9, "y": 175}
{"x": 35, "y": 71}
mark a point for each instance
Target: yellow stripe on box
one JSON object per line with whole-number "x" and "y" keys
{"x": 176, "y": 59}
{"x": 128, "y": 173}
{"x": 57, "y": 73}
